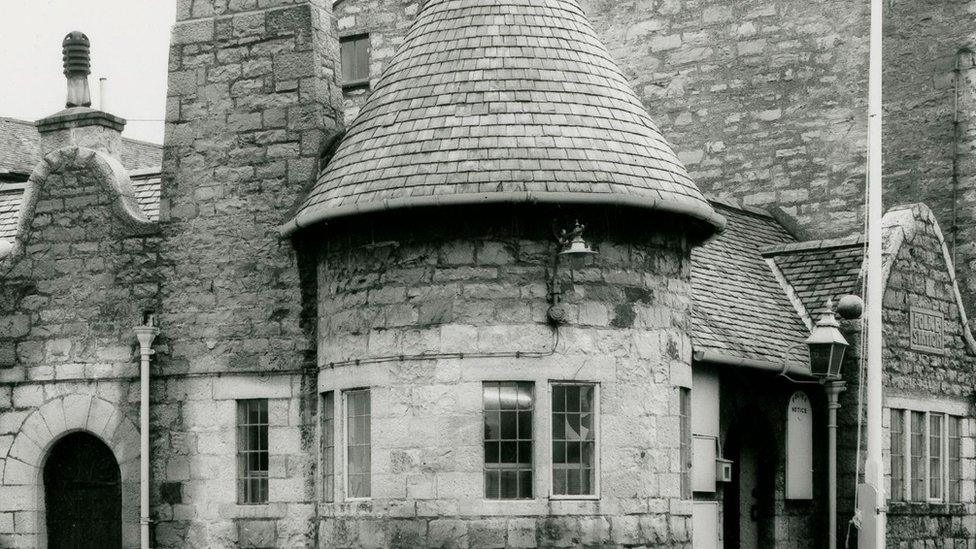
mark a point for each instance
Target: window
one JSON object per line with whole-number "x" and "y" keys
{"x": 327, "y": 443}
{"x": 357, "y": 444}
{"x": 936, "y": 473}
{"x": 354, "y": 54}
{"x": 925, "y": 456}
{"x": 508, "y": 407}
{"x": 917, "y": 464}
{"x": 252, "y": 451}
{"x": 897, "y": 455}
{"x": 684, "y": 412}
{"x": 573, "y": 439}
{"x": 953, "y": 461}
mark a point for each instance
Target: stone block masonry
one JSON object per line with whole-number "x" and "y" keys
{"x": 252, "y": 95}
{"x": 405, "y": 286}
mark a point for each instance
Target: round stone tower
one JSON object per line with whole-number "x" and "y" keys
{"x": 477, "y": 387}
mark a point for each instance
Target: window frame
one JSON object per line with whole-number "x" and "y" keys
{"x": 685, "y": 441}
{"x": 243, "y": 475}
{"x": 909, "y": 474}
{"x": 533, "y": 469}
{"x": 345, "y": 443}
{"x": 596, "y": 441}
{"x": 353, "y": 38}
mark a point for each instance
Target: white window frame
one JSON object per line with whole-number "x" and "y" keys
{"x": 909, "y": 474}
{"x": 535, "y": 439}
{"x": 596, "y": 441}
{"x": 345, "y": 444}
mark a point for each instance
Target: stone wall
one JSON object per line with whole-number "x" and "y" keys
{"x": 476, "y": 294}
{"x": 68, "y": 357}
{"x": 251, "y": 96}
{"x": 914, "y": 379}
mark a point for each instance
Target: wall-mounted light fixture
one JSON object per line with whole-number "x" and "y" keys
{"x": 572, "y": 245}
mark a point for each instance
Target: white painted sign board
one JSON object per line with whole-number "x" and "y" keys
{"x": 703, "y": 450}
{"x": 704, "y": 400}
{"x": 799, "y": 447}
{"x": 704, "y": 523}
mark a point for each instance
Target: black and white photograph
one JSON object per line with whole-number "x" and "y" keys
{"x": 487, "y": 274}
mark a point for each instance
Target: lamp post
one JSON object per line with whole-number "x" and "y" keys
{"x": 827, "y": 347}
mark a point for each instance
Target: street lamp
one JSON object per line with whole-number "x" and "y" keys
{"x": 827, "y": 346}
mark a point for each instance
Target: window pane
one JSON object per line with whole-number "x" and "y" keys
{"x": 252, "y": 451}
{"x": 508, "y": 408}
{"x": 935, "y": 456}
{"x": 954, "y": 463}
{"x": 328, "y": 446}
{"x": 918, "y": 473}
{"x": 897, "y": 454}
{"x": 573, "y": 439}
{"x": 354, "y": 58}
{"x": 358, "y": 443}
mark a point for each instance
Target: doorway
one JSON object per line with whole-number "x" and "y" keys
{"x": 82, "y": 494}
{"x": 748, "y": 502}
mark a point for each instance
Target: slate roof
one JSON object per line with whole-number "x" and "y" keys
{"x": 740, "y": 309}
{"x": 821, "y": 269}
{"x": 502, "y": 101}
{"x": 20, "y": 148}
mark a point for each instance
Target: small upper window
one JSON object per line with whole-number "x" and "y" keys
{"x": 354, "y": 53}
{"x": 328, "y": 446}
{"x": 252, "y": 451}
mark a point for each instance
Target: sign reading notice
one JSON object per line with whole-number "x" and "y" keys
{"x": 928, "y": 330}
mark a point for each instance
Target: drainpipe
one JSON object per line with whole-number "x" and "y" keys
{"x": 146, "y": 334}
{"x": 834, "y": 389}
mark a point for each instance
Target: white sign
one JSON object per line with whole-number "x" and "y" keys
{"x": 704, "y": 523}
{"x": 799, "y": 447}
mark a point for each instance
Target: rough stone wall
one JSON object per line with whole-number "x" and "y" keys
{"x": 251, "y": 96}
{"x": 68, "y": 357}
{"x": 407, "y": 286}
{"x": 921, "y": 41}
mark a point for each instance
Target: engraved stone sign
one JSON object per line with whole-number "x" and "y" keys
{"x": 928, "y": 330}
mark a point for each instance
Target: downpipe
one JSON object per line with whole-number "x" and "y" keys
{"x": 145, "y": 334}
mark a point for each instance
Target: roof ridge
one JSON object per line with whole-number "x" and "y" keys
{"x": 824, "y": 244}
{"x": 17, "y": 120}
{"x": 735, "y": 204}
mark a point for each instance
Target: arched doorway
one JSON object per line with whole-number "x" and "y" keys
{"x": 82, "y": 494}
{"x": 749, "y": 499}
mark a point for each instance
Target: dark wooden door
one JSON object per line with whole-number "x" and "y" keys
{"x": 82, "y": 494}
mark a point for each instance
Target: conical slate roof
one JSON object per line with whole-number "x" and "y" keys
{"x": 502, "y": 101}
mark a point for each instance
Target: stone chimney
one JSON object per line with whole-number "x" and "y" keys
{"x": 78, "y": 124}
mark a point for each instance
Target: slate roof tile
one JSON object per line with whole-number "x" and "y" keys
{"x": 740, "y": 309}
{"x": 518, "y": 96}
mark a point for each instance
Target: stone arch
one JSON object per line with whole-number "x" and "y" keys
{"x": 22, "y": 473}
{"x": 108, "y": 171}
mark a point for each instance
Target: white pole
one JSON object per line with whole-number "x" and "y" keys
{"x": 834, "y": 389}
{"x": 873, "y": 469}
{"x": 146, "y": 335}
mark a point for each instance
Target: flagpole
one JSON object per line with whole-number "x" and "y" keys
{"x": 873, "y": 511}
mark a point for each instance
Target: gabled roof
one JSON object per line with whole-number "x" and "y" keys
{"x": 819, "y": 270}
{"x": 502, "y": 101}
{"x": 20, "y": 149}
{"x": 740, "y": 310}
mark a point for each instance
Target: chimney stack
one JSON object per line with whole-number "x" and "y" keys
{"x": 78, "y": 124}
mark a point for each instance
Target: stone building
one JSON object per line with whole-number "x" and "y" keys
{"x": 368, "y": 336}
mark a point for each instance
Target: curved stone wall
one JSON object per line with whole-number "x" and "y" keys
{"x": 474, "y": 293}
